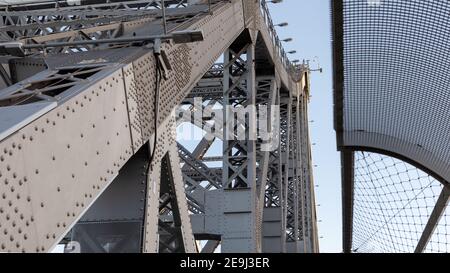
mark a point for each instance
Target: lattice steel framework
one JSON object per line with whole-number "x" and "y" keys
{"x": 88, "y": 121}
{"x": 391, "y": 98}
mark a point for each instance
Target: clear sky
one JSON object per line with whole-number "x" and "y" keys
{"x": 310, "y": 27}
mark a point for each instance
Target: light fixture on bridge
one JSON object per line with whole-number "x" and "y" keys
{"x": 187, "y": 36}
{"x": 284, "y": 24}
{"x": 287, "y": 40}
{"x": 319, "y": 70}
{"x": 12, "y": 48}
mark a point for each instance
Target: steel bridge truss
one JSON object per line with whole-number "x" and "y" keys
{"x": 92, "y": 158}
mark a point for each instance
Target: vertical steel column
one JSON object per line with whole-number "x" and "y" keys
{"x": 292, "y": 196}
{"x": 285, "y": 106}
{"x": 300, "y": 175}
{"x": 309, "y": 206}
{"x": 242, "y": 228}
{"x": 165, "y": 192}
{"x": 274, "y": 240}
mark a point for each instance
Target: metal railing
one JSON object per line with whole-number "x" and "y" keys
{"x": 293, "y": 69}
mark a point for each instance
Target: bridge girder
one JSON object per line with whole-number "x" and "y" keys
{"x": 90, "y": 111}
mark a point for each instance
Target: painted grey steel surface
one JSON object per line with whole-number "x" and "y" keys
{"x": 64, "y": 167}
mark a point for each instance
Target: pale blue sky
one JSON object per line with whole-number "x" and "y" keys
{"x": 310, "y": 27}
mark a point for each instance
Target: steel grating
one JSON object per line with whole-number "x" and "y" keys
{"x": 391, "y": 100}
{"x": 393, "y": 201}
{"x": 391, "y": 60}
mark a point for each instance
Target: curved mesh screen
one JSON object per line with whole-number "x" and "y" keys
{"x": 396, "y": 91}
{"x": 392, "y": 204}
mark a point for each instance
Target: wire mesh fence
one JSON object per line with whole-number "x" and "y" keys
{"x": 393, "y": 201}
